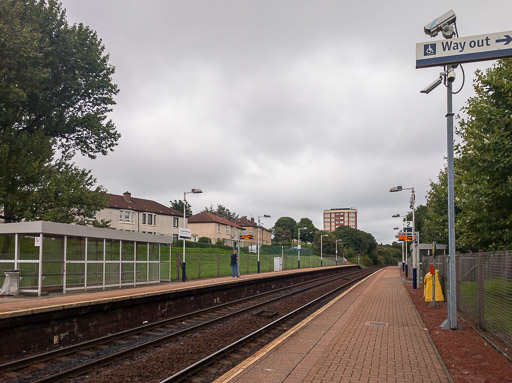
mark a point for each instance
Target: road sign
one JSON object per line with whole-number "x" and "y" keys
{"x": 406, "y": 238}
{"x": 246, "y": 236}
{"x": 185, "y": 233}
{"x": 490, "y": 46}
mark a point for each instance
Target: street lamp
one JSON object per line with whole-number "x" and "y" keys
{"x": 338, "y": 240}
{"x": 321, "y": 249}
{"x": 193, "y": 191}
{"x": 260, "y": 216}
{"x": 404, "y": 259}
{"x": 298, "y": 245}
{"x": 415, "y": 257}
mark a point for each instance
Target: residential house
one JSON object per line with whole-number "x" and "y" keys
{"x": 250, "y": 225}
{"x": 216, "y": 228}
{"x": 140, "y": 215}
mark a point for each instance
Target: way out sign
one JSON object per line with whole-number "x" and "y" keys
{"x": 490, "y": 46}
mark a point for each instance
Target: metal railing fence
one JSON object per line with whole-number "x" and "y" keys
{"x": 484, "y": 289}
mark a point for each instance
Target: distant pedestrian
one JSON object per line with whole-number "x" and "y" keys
{"x": 234, "y": 264}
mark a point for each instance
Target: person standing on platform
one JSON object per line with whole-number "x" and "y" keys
{"x": 234, "y": 264}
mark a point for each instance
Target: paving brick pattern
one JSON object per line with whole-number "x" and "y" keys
{"x": 371, "y": 334}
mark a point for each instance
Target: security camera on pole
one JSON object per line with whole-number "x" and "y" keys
{"x": 450, "y": 53}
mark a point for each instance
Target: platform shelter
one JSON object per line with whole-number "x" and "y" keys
{"x": 56, "y": 256}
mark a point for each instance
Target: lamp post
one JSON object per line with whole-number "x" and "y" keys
{"x": 321, "y": 249}
{"x": 404, "y": 259}
{"x": 260, "y": 216}
{"x": 183, "y": 267}
{"x": 298, "y": 245}
{"x": 338, "y": 240}
{"x": 415, "y": 259}
{"x": 449, "y": 76}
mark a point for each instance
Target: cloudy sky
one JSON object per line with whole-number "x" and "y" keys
{"x": 282, "y": 107}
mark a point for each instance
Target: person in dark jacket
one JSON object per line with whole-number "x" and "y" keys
{"x": 234, "y": 264}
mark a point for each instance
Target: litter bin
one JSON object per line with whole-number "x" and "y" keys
{"x": 11, "y": 284}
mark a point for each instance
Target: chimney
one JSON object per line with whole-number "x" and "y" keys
{"x": 127, "y": 196}
{"x": 252, "y": 219}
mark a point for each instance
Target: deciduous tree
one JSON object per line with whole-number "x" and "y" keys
{"x": 485, "y": 162}
{"x": 55, "y": 93}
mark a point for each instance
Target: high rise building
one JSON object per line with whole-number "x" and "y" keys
{"x": 346, "y": 216}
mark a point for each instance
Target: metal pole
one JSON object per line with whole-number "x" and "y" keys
{"x": 414, "y": 260}
{"x": 336, "y": 252}
{"x": 434, "y": 248}
{"x": 406, "y": 263}
{"x": 258, "y": 245}
{"x": 239, "y": 256}
{"x": 298, "y": 248}
{"x": 321, "y": 252}
{"x": 451, "y": 321}
{"x": 183, "y": 267}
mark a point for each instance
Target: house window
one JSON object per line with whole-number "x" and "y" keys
{"x": 127, "y": 216}
{"x": 227, "y": 229}
{"x": 143, "y": 218}
{"x": 175, "y": 221}
{"x": 218, "y": 228}
{"x": 175, "y": 237}
{"x": 121, "y": 216}
{"x": 154, "y": 220}
{"x": 150, "y": 219}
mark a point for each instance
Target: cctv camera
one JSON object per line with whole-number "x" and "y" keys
{"x": 432, "y": 86}
{"x": 450, "y": 75}
{"x": 440, "y": 24}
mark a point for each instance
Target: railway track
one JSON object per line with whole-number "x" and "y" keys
{"x": 70, "y": 362}
{"x": 206, "y": 369}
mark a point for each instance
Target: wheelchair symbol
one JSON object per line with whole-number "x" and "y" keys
{"x": 429, "y": 50}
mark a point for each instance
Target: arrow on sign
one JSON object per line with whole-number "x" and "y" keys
{"x": 506, "y": 40}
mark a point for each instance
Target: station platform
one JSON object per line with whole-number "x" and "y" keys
{"x": 370, "y": 333}
{"x": 27, "y": 304}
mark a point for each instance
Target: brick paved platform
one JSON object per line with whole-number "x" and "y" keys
{"x": 371, "y": 333}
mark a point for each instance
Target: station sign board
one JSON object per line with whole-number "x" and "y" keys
{"x": 407, "y": 227}
{"x": 185, "y": 233}
{"x": 246, "y": 235}
{"x": 490, "y": 46}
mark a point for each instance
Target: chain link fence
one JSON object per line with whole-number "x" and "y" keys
{"x": 484, "y": 289}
